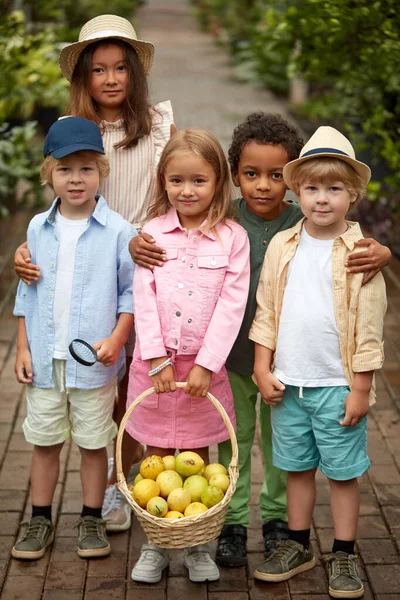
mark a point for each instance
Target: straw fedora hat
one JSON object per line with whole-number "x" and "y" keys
{"x": 327, "y": 141}
{"x": 101, "y": 28}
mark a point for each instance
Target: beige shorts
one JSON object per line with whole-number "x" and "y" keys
{"x": 55, "y": 414}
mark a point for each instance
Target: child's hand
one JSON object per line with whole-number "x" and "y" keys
{"x": 164, "y": 381}
{"x": 23, "y": 366}
{"x": 145, "y": 253}
{"x": 23, "y": 266}
{"x": 356, "y": 407}
{"x": 271, "y": 389}
{"x": 370, "y": 261}
{"x": 198, "y": 381}
{"x": 108, "y": 351}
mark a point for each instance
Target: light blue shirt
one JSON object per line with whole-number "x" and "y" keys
{"x": 101, "y": 290}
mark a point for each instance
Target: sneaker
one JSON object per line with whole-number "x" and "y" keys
{"x": 110, "y": 467}
{"x": 344, "y": 580}
{"x": 232, "y": 546}
{"x": 35, "y": 536}
{"x": 116, "y": 510}
{"x": 151, "y": 564}
{"x": 92, "y": 538}
{"x": 200, "y": 565}
{"x": 133, "y": 471}
{"x": 287, "y": 560}
{"x": 274, "y": 531}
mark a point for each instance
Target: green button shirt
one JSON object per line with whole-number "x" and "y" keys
{"x": 260, "y": 232}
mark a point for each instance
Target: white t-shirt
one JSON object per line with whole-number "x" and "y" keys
{"x": 68, "y": 232}
{"x": 308, "y": 351}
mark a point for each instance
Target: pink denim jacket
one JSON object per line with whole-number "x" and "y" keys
{"x": 195, "y": 303}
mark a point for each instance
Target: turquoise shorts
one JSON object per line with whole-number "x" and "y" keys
{"x": 306, "y": 434}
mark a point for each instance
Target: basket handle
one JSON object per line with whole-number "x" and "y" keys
{"x": 234, "y": 461}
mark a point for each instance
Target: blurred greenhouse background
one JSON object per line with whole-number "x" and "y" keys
{"x": 335, "y": 61}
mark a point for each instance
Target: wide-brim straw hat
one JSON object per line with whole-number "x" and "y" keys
{"x": 327, "y": 141}
{"x": 102, "y": 28}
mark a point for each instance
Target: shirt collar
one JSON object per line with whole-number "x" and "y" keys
{"x": 112, "y": 125}
{"x": 99, "y": 214}
{"x": 350, "y": 236}
{"x": 171, "y": 223}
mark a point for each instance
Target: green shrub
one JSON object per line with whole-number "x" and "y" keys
{"x": 20, "y": 157}
{"x": 30, "y": 73}
{"x": 67, "y": 17}
{"x": 353, "y": 49}
{"x": 348, "y": 51}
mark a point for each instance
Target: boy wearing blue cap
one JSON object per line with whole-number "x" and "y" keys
{"x": 74, "y": 298}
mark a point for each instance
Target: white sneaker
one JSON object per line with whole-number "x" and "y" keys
{"x": 116, "y": 510}
{"x": 133, "y": 471}
{"x": 151, "y": 564}
{"x": 110, "y": 467}
{"x": 200, "y": 565}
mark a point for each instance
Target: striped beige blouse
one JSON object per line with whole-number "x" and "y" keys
{"x": 130, "y": 186}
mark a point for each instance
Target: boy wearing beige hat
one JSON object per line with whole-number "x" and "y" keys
{"x": 318, "y": 335}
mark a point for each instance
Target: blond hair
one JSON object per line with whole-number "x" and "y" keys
{"x": 49, "y": 164}
{"x": 329, "y": 170}
{"x": 206, "y": 146}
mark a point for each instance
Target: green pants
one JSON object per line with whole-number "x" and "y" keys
{"x": 273, "y": 492}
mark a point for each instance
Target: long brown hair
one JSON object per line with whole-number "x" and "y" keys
{"x": 136, "y": 110}
{"x": 207, "y": 146}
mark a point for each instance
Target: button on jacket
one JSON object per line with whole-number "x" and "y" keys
{"x": 195, "y": 302}
{"x": 359, "y": 310}
{"x": 102, "y": 289}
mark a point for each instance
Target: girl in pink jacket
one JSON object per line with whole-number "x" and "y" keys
{"x": 187, "y": 314}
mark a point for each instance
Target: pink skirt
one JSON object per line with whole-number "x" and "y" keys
{"x": 177, "y": 420}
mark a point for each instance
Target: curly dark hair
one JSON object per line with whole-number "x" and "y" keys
{"x": 264, "y": 128}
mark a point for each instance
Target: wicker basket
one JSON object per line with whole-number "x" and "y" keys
{"x": 187, "y": 531}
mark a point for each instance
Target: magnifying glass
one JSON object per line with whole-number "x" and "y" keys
{"x": 83, "y": 352}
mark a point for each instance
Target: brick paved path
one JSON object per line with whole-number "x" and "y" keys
{"x": 196, "y": 76}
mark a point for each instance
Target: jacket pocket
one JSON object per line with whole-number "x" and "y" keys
{"x": 212, "y": 269}
{"x": 170, "y": 264}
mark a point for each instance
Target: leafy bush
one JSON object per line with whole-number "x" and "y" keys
{"x": 67, "y": 17}
{"x": 31, "y": 76}
{"x": 20, "y": 158}
{"x": 349, "y": 53}
{"x": 354, "y": 50}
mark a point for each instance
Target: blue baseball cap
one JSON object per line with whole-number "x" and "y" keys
{"x": 72, "y": 134}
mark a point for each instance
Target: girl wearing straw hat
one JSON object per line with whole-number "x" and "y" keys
{"x": 108, "y": 68}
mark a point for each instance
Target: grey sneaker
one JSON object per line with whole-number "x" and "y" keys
{"x": 200, "y": 565}
{"x": 92, "y": 538}
{"x": 116, "y": 510}
{"x": 151, "y": 564}
{"x": 35, "y": 536}
{"x": 344, "y": 580}
{"x": 287, "y": 560}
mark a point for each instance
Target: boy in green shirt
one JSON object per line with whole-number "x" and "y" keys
{"x": 260, "y": 148}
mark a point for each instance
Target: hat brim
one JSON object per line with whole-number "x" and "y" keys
{"x": 69, "y": 55}
{"x": 78, "y": 147}
{"x": 362, "y": 169}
